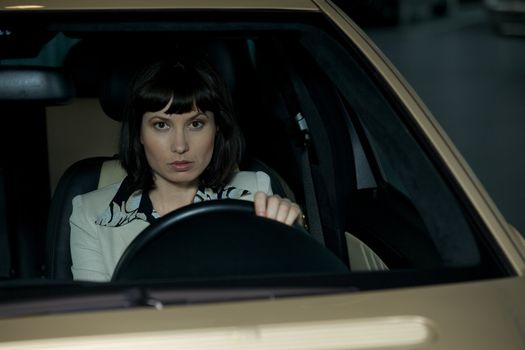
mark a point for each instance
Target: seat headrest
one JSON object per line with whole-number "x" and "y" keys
{"x": 34, "y": 84}
{"x": 106, "y": 71}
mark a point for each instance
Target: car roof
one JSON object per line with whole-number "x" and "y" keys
{"x": 302, "y": 5}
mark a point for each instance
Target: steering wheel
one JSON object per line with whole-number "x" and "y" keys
{"x": 222, "y": 239}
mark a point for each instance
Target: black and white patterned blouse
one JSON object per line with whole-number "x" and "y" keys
{"x": 128, "y": 205}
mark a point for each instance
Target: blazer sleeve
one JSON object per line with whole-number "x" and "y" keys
{"x": 86, "y": 252}
{"x": 264, "y": 183}
{"x": 252, "y": 182}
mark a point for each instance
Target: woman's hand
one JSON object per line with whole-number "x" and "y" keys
{"x": 277, "y": 208}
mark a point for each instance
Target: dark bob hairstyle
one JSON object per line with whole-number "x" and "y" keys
{"x": 190, "y": 83}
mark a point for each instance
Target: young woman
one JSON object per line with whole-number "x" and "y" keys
{"x": 180, "y": 144}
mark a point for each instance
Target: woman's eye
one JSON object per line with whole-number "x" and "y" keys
{"x": 160, "y": 125}
{"x": 196, "y": 124}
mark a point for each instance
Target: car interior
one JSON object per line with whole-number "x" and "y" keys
{"x": 315, "y": 117}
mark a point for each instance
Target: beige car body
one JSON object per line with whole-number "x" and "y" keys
{"x": 476, "y": 315}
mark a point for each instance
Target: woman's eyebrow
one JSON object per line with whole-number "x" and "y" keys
{"x": 197, "y": 115}
{"x": 159, "y": 116}
{"x": 170, "y": 116}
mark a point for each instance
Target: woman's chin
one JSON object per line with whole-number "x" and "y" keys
{"x": 183, "y": 179}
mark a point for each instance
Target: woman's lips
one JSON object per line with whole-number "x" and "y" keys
{"x": 182, "y": 165}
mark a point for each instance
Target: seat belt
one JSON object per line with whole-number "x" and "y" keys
{"x": 294, "y": 90}
{"x": 312, "y": 211}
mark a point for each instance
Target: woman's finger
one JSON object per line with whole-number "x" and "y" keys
{"x": 293, "y": 214}
{"x": 284, "y": 208}
{"x": 272, "y": 206}
{"x": 259, "y": 200}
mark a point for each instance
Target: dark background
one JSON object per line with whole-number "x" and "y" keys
{"x": 470, "y": 74}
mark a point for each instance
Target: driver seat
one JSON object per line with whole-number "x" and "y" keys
{"x": 91, "y": 173}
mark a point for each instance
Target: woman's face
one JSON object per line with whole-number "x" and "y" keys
{"x": 178, "y": 147}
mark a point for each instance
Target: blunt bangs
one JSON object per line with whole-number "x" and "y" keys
{"x": 185, "y": 87}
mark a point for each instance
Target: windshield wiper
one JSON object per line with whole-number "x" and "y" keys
{"x": 53, "y": 298}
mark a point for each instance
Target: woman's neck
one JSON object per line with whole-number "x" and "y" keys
{"x": 167, "y": 197}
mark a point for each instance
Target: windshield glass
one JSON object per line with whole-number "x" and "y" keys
{"x": 125, "y": 116}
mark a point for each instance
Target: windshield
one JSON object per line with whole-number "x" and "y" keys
{"x": 318, "y": 124}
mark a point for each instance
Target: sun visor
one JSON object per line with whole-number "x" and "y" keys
{"x": 30, "y": 84}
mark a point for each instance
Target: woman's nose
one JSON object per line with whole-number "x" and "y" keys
{"x": 179, "y": 142}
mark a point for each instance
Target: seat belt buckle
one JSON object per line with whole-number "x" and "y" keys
{"x": 303, "y": 127}
{"x": 306, "y": 137}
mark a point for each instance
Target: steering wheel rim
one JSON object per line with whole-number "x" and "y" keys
{"x": 222, "y": 238}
